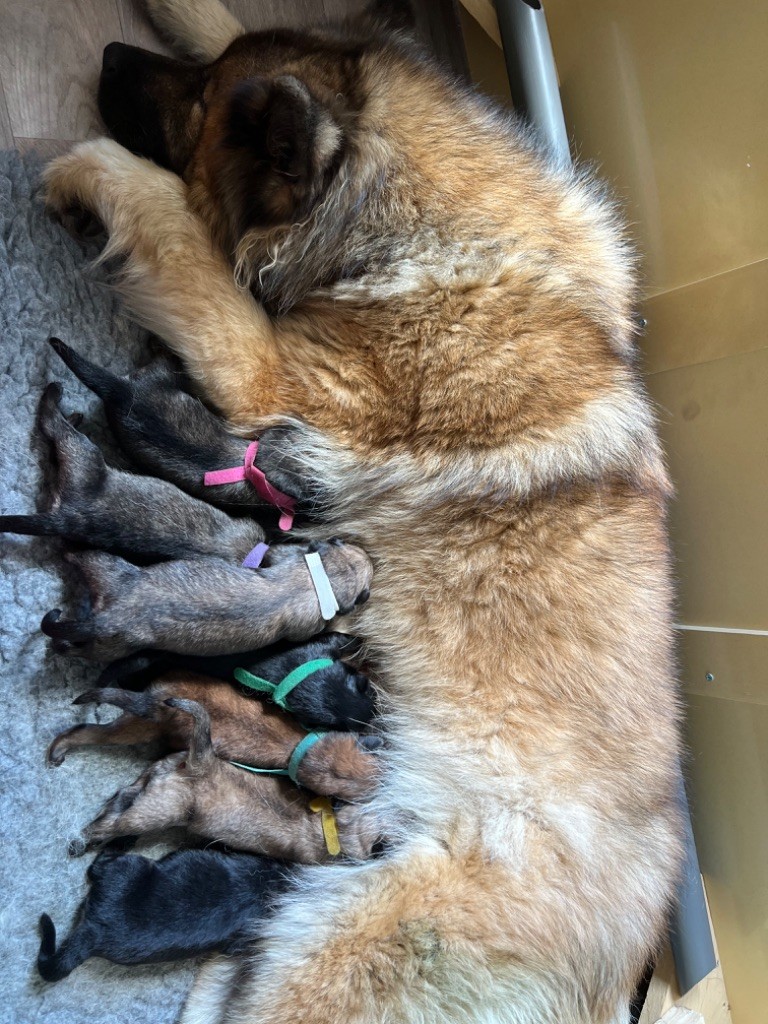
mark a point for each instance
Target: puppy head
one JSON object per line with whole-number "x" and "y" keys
{"x": 342, "y": 765}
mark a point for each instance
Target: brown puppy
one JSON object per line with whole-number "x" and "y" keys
{"x": 452, "y": 369}
{"x": 206, "y": 606}
{"x": 196, "y": 790}
{"x": 242, "y": 729}
{"x": 140, "y": 517}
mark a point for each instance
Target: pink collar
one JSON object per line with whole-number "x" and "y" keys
{"x": 250, "y": 472}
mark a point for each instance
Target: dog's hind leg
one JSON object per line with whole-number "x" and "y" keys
{"x": 160, "y": 798}
{"x": 201, "y": 28}
{"x": 126, "y": 731}
{"x": 175, "y": 281}
{"x": 55, "y": 964}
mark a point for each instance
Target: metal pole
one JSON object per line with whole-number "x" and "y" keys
{"x": 532, "y": 73}
{"x": 690, "y": 934}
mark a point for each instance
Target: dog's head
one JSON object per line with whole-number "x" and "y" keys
{"x": 262, "y": 133}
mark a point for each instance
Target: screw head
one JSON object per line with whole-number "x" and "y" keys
{"x": 710, "y": 677}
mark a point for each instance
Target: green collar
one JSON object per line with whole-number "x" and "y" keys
{"x": 279, "y": 691}
{"x": 297, "y": 756}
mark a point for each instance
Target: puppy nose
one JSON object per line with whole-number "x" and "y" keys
{"x": 110, "y": 63}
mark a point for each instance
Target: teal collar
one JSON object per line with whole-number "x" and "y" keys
{"x": 297, "y": 756}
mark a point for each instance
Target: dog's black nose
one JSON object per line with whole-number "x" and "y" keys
{"x": 111, "y": 60}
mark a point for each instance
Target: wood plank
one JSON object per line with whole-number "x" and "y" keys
{"x": 6, "y": 135}
{"x": 664, "y": 1002}
{"x": 50, "y": 55}
{"x": 137, "y": 28}
{"x": 46, "y": 149}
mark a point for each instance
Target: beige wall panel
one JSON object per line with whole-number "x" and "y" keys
{"x": 671, "y": 100}
{"x": 486, "y": 61}
{"x": 728, "y": 775}
{"x": 739, "y": 665}
{"x": 722, "y": 316}
{"x": 714, "y": 422}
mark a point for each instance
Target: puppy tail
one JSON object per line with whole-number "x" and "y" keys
{"x": 65, "y": 634}
{"x": 41, "y": 524}
{"x": 105, "y": 384}
{"x": 200, "y": 745}
{"x": 143, "y": 705}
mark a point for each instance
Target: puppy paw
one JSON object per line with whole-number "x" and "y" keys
{"x": 359, "y": 831}
{"x": 282, "y": 457}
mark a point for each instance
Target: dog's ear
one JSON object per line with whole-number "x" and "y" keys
{"x": 280, "y": 122}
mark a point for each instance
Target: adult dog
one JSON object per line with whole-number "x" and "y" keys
{"x": 430, "y": 327}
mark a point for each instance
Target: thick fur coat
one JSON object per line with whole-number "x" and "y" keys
{"x": 442, "y": 320}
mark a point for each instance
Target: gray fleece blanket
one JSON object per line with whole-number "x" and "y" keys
{"x": 48, "y": 286}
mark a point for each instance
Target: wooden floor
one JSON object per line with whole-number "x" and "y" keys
{"x": 50, "y": 55}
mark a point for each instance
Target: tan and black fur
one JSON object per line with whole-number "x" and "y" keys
{"x": 243, "y": 729}
{"x": 436, "y": 324}
{"x": 196, "y": 790}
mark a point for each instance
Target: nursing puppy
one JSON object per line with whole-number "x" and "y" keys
{"x": 205, "y": 606}
{"x": 140, "y": 517}
{"x": 167, "y": 430}
{"x": 429, "y": 326}
{"x": 243, "y": 729}
{"x": 198, "y": 791}
{"x": 143, "y": 911}
{"x": 335, "y": 696}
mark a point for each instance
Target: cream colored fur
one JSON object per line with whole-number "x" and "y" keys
{"x": 201, "y": 28}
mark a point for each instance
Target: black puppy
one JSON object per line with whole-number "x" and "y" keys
{"x": 167, "y": 430}
{"x": 142, "y": 911}
{"x": 334, "y": 697}
{"x": 140, "y": 517}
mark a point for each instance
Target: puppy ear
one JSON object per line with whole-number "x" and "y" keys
{"x": 280, "y": 122}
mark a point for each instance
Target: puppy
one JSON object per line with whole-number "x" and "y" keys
{"x": 198, "y": 791}
{"x": 167, "y": 430}
{"x": 143, "y": 911}
{"x": 139, "y": 517}
{"x": 243, "y": 729}
{"x": 207, "y": 606}
{"x": 336, "y": 696}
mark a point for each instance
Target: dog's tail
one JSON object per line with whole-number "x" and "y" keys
{"x": 41, "y": 524}
{"x": 141, "y": 704}
{"x": 200, "y": 746}
{"x": 105, "y": 384}
{"x": 54, "y": 965}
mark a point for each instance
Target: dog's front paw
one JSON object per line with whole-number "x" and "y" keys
{"x": 286, "y": 460}
{"x": 77, "y": 185}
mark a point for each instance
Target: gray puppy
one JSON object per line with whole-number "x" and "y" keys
{"x": 167, "y": 430}
{"x": 207, "y": 606}
{"x": 140, "y": 517}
